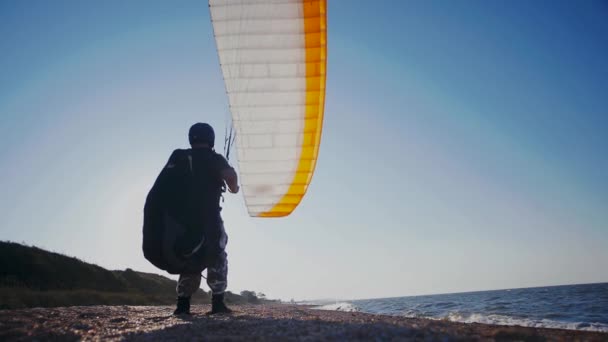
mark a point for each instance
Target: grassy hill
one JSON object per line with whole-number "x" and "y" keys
{"x": 33, "y": 277}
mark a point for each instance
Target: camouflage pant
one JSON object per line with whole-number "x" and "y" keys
{"x": 217, "y": 274}
{"x": 216, "y": 279}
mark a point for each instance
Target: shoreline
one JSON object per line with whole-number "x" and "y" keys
{"x": 254, "y": 322}
{"x": 490, "y": 319}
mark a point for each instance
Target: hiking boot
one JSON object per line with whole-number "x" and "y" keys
{"x": 218, "y": 306}
{"x": 183, "y": 306}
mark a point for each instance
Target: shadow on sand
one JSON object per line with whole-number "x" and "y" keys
{"x": 251, "y": 328}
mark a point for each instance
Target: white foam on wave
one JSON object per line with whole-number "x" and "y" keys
{"x": 525, "y": 322}
{"x": 340, "y": 306}
{"x": 470, "y": 318}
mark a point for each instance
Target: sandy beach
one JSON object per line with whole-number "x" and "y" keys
{"x": 278, "y": 322}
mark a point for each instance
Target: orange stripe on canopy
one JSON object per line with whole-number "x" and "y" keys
{"x": 315, "y": 28}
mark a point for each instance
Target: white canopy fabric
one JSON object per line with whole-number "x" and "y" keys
{"x": 273, "y": 59}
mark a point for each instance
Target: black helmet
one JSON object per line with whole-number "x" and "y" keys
{"x": 201, "y": 133}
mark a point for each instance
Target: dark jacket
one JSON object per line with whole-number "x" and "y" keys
{"x": 182, "y": 209}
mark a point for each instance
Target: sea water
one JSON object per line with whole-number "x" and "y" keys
{"x": 578, "y": 307}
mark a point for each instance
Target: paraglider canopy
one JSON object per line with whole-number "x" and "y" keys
{"x": 273, "y": 59}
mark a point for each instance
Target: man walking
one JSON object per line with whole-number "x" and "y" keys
{"x": 202, "y": 176}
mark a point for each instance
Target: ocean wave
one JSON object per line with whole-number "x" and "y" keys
{"x": 416, "y": 314}
{"x": 526, "y": 322}
{"x": 343, "y": 306}
{"x": 478, "y": 318}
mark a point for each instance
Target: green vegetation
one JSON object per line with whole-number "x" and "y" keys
{"x": 33, "y": 277}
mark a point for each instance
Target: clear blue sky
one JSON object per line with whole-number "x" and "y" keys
{"x": 464, "y": 145}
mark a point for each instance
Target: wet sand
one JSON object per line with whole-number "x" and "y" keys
{"x": 278, "y": 322}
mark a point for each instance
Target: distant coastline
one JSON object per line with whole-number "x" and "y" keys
{"x": 33, "y": 277}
